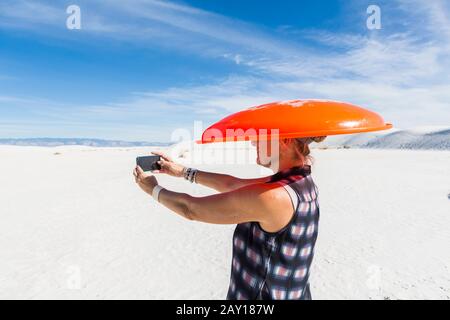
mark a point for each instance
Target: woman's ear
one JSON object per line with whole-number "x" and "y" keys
{"x": 285, "y": 141}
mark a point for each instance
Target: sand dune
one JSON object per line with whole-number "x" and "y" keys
{"x": 422, "y": 138}
{"x": 438, "y": 140}
{"x": 74, "y": 225}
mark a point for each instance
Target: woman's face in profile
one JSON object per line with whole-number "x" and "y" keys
{"x": 264, "y": 154}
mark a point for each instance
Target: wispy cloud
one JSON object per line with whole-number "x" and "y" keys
{"x": 165, "y": 23}
{"x": 403, "y": 75}
{"x": 402, "y": 71}
{"x": 30, "y": 12}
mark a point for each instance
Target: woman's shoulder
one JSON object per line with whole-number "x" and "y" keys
{"x": 297, "y": 185}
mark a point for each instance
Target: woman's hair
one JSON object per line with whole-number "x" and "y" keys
{"x": 302, "y": 147}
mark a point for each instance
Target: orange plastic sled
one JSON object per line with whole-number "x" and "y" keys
{"x": 297, "y": 118}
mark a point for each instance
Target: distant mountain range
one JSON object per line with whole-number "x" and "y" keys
{"x": 55, "y": 142}
{"x": 424, "y": 138}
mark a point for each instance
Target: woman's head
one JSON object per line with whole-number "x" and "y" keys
{"x": 291, "y": 152}
{"x": 301, "y": 147}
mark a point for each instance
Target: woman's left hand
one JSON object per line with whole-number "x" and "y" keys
{"x": 145, "y": 180}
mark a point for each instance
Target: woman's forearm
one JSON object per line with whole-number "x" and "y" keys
{"x": 217, "y": 181}
{"x": 193, "y": 208}
{"x": 225, "y": 182}
{"x": 177, "y": 202}
{"x": 251, "y": 203}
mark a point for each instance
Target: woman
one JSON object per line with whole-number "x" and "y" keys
{"x": 276, "y": 216}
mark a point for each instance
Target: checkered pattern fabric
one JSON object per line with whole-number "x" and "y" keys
{"x": 276, "y": 265}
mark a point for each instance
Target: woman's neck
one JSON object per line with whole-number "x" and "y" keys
{"x": 287, "y": 164}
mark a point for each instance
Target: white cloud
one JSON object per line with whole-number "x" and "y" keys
{"x": 27, "y": 13}
{"x": 166, "y": 24}
{"x": 405, "y": 75}
{"x": 428, "y": 17}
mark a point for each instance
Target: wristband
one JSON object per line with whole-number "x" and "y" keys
{"x": 191, "y": 174}
{"x": 194, "y": 179}
{"x": 187, "y": 173}
{"x": 155, "y": 193}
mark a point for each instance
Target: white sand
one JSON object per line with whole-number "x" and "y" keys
{"x": 75, "y": 225}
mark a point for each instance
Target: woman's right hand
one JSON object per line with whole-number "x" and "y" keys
{"x": 168, "y": 166}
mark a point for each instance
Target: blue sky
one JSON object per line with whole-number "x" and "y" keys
{"x": 139, "y": 69}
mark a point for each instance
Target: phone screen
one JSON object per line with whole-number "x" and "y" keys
{"x": 148, "y": 163}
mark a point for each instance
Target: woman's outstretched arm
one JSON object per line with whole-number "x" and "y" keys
{"x": 217, "y": 181}
{"x": 264, "y": 203}
{"x": 225, "y": 182}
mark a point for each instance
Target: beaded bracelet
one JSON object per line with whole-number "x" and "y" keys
{"x": 190, "y": 174}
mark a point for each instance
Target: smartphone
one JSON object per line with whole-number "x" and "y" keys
{"x": 148, "y": 163}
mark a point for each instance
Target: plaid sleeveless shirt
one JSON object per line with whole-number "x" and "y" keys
{"x": 275, "y": 266}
